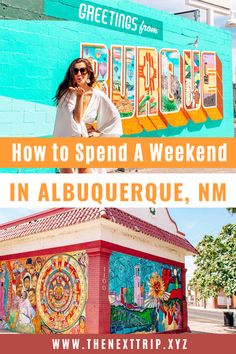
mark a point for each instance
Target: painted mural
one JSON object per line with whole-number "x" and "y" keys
{"x": 145, "y": 296}
{"x": 44, "y": 294}
{"x": 165, "y": 81}
{"x": 153, "y": 90}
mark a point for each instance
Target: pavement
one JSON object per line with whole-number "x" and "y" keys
{"x": 207, "y": 326}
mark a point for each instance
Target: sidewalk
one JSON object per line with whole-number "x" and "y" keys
{"x": 204, "y": 327}
{"x": 208, "y": 327}
{"x": 210, "y": 309}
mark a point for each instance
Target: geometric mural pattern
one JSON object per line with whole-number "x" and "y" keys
{"x": 44, "y": 294}
{"x": 61, "y": 292}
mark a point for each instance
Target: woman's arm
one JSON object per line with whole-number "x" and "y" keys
{"x": 65, "y": 123}
{"x": 108, "y": 120}
{"x": 78, "y": 110}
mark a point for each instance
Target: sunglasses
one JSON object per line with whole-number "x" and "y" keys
{"x": 82, "y": 71}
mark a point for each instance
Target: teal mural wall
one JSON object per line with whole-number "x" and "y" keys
{"x": 35, "y": 55}
{"x": 24, "y": 9}
{"x": 145, "y": 296}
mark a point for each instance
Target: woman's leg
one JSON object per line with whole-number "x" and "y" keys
{"x": 80, "y": 170}
{"x": 84, "y": 170}
{"x": 66, "y": 170}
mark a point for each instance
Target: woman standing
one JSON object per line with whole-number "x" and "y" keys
{"x": 79, "y": 105}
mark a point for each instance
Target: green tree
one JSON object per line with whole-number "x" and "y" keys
{"x": 232, "y": 210}
{"x": 216, "y": 264}
{"x": 226, "y": 259}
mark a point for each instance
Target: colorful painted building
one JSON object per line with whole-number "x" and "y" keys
{"x": 168, "y": 76}
{"x": 92, "y": 270}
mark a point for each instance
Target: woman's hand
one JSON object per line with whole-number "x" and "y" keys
{"x": 93, "y": 133}
{"x": 79, "y": 91}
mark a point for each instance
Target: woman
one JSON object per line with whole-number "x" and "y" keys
{"x": 79, "y": 105}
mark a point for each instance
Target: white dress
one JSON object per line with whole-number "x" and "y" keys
{"x": 100, "y": 109}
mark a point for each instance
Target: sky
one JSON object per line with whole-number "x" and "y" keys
{"x": 174, "y": 6}
{"x": 9, "y": 214}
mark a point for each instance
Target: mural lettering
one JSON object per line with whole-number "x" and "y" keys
{"x": 152, "y": 90}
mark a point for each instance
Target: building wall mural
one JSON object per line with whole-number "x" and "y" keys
{"x": 150, "y": 96}
{"x": 44, "y": 294}
{"x": 174, "y": 86}
{"x": 145, "y": 296}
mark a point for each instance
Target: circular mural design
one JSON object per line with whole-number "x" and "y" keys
{"x": 61, "y": 292}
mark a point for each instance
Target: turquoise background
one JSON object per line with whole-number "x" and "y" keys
{"x": 68, "y": 9}
{"x": 35, "y": 55}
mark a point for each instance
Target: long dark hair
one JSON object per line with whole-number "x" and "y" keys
{"x": 69, "y": 78}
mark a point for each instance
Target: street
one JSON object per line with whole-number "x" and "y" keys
{"x": 208, "y": 321}
{"x": 205, "y": 316}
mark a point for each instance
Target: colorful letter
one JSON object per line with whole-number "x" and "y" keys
{"x": 98, "y": 55}
{"x": 147, "y": 90}
{"x": 212, "y": 85}
{"x": 192, "y": 86}
{"x": 171, "y": 107}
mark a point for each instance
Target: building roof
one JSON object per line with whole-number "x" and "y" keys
{"x": 62, "y": 217}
